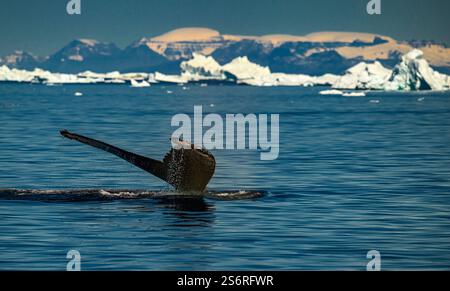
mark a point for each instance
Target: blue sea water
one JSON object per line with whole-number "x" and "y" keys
{"x": 352, "y": 176}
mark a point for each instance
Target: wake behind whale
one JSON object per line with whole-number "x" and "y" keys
{"x": 80, "y": 195}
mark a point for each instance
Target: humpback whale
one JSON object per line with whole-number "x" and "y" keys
{"x": 185, "y": 167}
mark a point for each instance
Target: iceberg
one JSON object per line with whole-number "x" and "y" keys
{"x": 137, "y": 84}
{"x": 15, "y": 75}
{"x": 177, "y": 79}
{"x": 108, "y": 78}
{"x": 241, "y": 69}
{"x": 202, "y": 68}
{"x": 354, "y": 94}
{"x": 414, "y": 73}
{"x": 364, "y": 76}
{"x": 326, "y": 80}
{"x": 279, "y": 79}
{"x": 331, "y": 92}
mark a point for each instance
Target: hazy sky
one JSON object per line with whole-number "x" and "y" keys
{"x": 43, "y": 26}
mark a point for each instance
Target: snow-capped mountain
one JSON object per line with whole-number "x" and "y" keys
{"x": 180, "y": 44}
{"x": 20, "y": 59}
{"x": 83, "y": 54}
{"x": 139, "y": 57}
{"x": 313, "y": 54}
{"x": 288, "y": 57}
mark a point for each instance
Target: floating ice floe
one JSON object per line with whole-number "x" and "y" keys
{"x": 331, "y": 92}
{"x": 137, "y": 84}
{"x": 354, "y": 94}
{"x": 78, "y": 94}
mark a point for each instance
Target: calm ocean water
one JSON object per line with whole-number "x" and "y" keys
{"x": 352, "y": 176}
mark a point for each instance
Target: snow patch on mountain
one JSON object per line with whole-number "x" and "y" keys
{"x": 313, "y": 54}
{"x": 188, "y": 34}
{"x": 88, "y": 42}
{"x": 20, "y": 59}
{"x": 183, "y": 42}
{"x": 339, "y": 36}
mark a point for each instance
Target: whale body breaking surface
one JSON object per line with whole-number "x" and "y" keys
{"x": 186, "y": 167}
{"x": 80, "y": 195}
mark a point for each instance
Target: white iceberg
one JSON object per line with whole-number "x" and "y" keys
{"x": 177, "y": 79}
{"x": 14, "y": 75}
{"x": 414, "y": 73}
{"x": 108, "y": 78}
{"x": 242, "y": 70}
{"x": 202, "y": 68}
{"x": 326, "y": 80}
{"x": 364, "y": 76}
{"x": 137, "y": 84}
{"x": 331, "y": 92}
{"x": 411, "y": 74}
{"x": 354, "y": 94}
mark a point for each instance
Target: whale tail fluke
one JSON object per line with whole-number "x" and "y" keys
{"x": 157, "y": 168}
{"x": 186, "y": 167}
